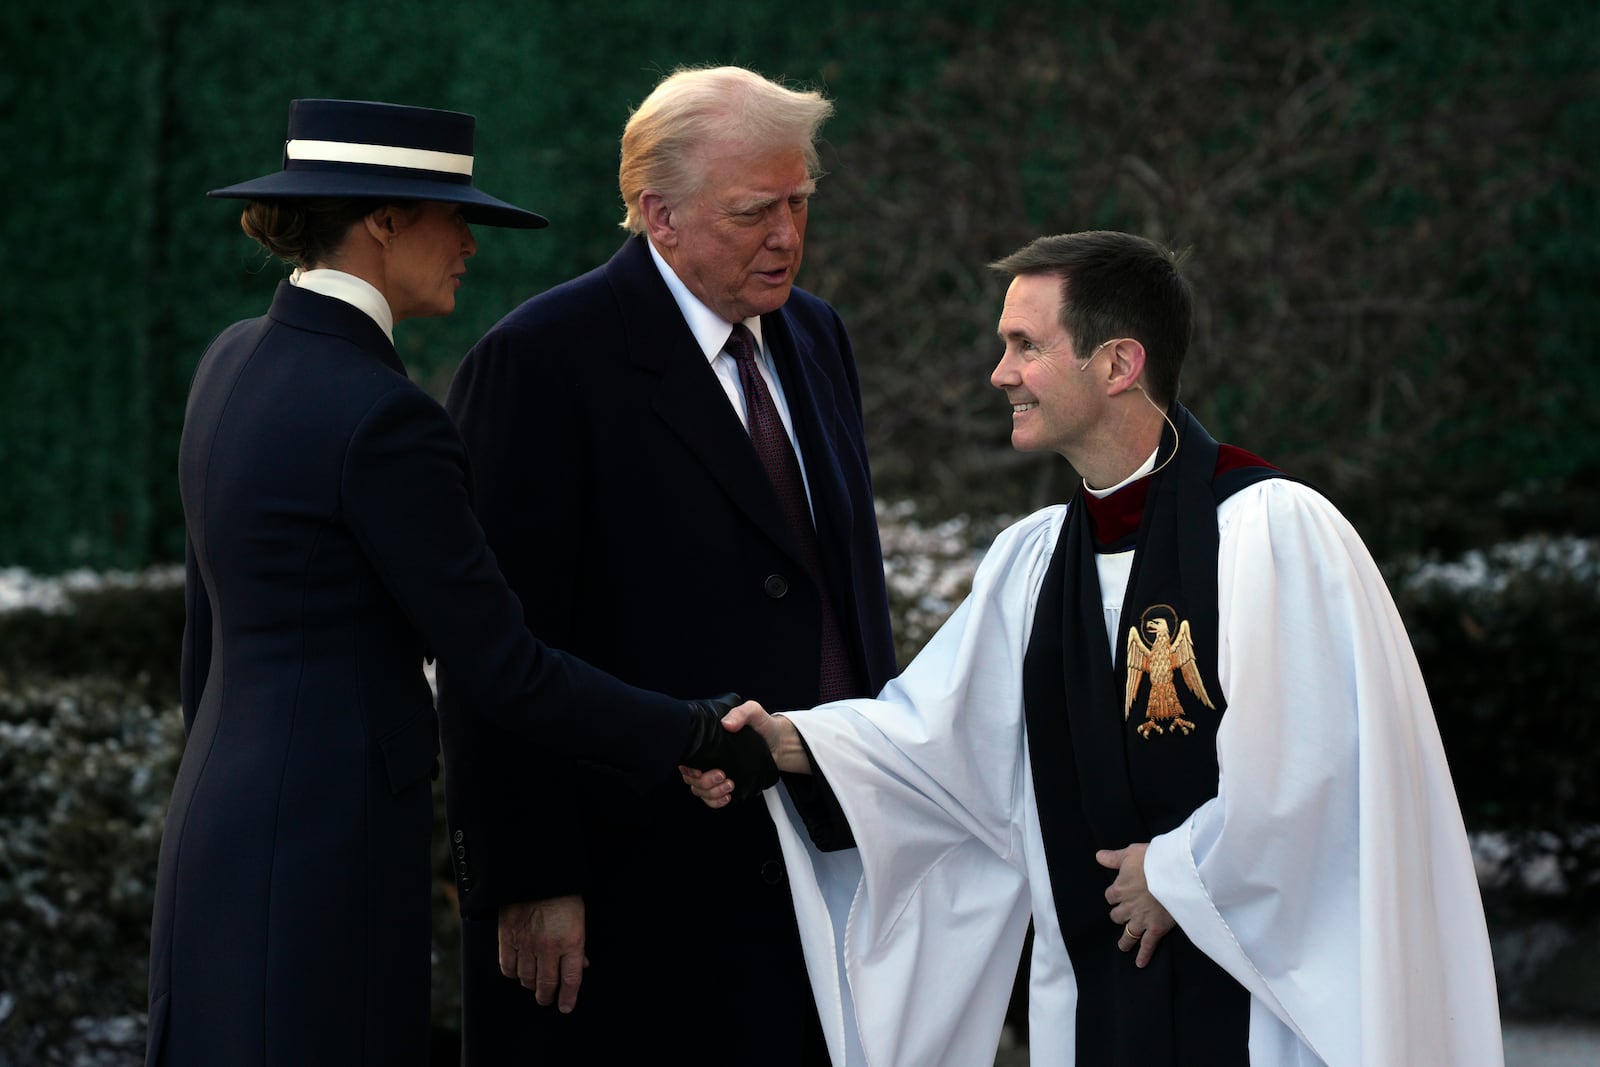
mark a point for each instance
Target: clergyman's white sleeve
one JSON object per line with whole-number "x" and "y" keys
{"x": 1331, "y": 874}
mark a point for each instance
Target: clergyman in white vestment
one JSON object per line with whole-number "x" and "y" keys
{"x": 1304, "y": 892}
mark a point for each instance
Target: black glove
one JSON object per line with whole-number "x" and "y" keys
{"x": 742, "y": 756}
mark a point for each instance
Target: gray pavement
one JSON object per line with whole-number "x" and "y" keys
{"x": 1526, "y": 1044}
{"x": 1551, "y": 1045}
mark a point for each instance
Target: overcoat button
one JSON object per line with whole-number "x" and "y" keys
{"x": 459, "y": 836}
{"x": 772, "y": 872}
{"x": 776, "y": 586}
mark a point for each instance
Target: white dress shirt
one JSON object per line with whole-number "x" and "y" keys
{"x": 711, "y": 331}
{"x": 357, "y": 292}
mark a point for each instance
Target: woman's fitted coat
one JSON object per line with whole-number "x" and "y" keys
{"x": 331, "y": 548}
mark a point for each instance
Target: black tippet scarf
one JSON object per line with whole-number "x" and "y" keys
{"x": 1100, "y": 783}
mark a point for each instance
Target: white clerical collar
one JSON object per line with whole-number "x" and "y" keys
{"x": 1148, "y": 466}
{"x": 710, "y": 329}
{"x": 357, "y": 292}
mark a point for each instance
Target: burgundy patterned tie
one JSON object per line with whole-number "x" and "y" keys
{"x": 771, "y": 441}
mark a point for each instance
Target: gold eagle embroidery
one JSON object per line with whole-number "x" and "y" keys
{"x": 1161, "y": 659}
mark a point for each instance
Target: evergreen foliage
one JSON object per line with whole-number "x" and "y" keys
{"x": 1391, "y": 209}
{"x": 89, "y": 744}
{"x": 1496, "y": 633}
{"x": 85, "y": 768}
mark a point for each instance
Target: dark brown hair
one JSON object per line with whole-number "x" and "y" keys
{"x": 1117, "y": 285}
{"x": 305, "y": 232}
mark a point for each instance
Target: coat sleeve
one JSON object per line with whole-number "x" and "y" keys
{"x": 514, "y": 413}
{"x": 1331, "y": 874}
{"x": 405, "y": 499}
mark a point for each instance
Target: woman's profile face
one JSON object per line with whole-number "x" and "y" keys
{"x": 427, "y": 259}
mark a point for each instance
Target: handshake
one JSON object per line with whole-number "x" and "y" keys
{"x": 736, "y": 750}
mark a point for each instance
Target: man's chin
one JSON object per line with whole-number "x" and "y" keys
{"x": 770, "y": 298}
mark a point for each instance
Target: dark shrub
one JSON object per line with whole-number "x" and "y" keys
{"x": 1505, "y": 638}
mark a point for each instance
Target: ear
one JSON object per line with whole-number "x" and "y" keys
{"x": 1127, "y": 366}
{"x": 385, "y": 223}
{"x": 658, "y": 219}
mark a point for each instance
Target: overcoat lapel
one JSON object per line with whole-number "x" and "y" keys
{"x": 688, "y": 398}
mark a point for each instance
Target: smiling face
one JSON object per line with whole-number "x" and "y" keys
{"x": 737, "y": 241}
{"x": 426, "y": 260}
{"x": 1054, "y": 404}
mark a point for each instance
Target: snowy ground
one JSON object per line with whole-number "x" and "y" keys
{"x": 21, "y": 589}
{"x": 1555, "y": 1045}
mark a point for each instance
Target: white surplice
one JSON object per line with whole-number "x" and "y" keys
{"x": 1330, "y": 875}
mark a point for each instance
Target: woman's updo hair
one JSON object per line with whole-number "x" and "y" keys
{"x": 305, "y": 232}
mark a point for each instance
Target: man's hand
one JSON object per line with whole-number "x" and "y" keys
{"x": 1144, "y": 921}
{"x": 541, "y": 945}
{"x": 715, "y": 787}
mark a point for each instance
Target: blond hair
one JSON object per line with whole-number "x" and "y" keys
{"x": 696, "y": 107}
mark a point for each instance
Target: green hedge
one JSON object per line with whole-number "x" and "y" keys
{"x": 1501, "y": 635}
{"x": 1391, "y": 206}
{"x": 90, "y": 737}
{"x": 85, "y": 769}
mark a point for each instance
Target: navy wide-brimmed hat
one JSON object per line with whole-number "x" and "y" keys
{"x": 357, "y": 148}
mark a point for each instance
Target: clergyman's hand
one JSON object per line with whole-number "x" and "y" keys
{"x": 1144, "y": 920}
{"x": 541, "y": 945}
{"x": 715, "y": 787}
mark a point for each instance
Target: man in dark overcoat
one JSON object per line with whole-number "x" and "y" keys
{"x": 671, "y": 469}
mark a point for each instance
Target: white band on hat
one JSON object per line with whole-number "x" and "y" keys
{"x": 379, "y": 155}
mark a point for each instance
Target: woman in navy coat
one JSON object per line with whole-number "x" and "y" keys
{"x": 331, "y": 549}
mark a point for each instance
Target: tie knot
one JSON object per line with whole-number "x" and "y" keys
{"x": 741, "y": 343}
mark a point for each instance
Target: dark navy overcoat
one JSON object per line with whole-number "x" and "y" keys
{"x": 624, "y": 499}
